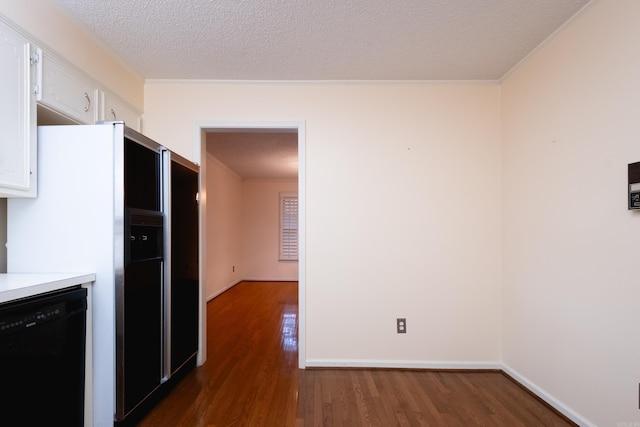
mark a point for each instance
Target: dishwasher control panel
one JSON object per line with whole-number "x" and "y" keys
{"x": 28, "y": 320}
{"x": 30, "y": 312}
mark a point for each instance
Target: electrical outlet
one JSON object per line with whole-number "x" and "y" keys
{"x": 401, "y": 325}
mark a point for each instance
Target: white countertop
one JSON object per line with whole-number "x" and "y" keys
{"x": 14, "y": 286}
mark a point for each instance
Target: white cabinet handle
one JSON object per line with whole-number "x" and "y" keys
{"x": 113, "y": 113}
{"x": 86, "y": 107}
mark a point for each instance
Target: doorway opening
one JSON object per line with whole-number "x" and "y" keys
{"x": 292, "y": 131}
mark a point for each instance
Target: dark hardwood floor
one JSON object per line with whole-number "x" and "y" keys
{"x": 251, "y": 379}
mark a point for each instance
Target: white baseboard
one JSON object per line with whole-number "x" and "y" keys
{"x": 271, "y": 279}
{"x": 552, "y": 401}
{"x": 223, "y": 290}
{"x": 398, "y": 364}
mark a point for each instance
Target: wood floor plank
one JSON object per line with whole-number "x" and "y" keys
{"x": 251, "y": 379}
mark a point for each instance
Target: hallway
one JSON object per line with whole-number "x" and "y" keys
{"x": 251, "y": 375}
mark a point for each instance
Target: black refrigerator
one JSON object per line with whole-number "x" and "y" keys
{"x": 157, "y": 339}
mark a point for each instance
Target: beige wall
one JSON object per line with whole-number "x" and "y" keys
{"x": 570, "y": 246}
{"x": 402, "y": 209}
{"x": 224, "y": 229}
{"x": 50, "y": 25}
{"x": 261, "y": 222}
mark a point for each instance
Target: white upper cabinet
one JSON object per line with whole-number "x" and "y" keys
{"x": 66, "y": 90}
{"x": 36, "y": 81}
{"x": 17, "y": 116}
{"x": 114, "y": 108}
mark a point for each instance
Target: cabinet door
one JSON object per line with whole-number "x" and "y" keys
{"x": 113, "y": 108}
{"x": 17, "y": 117}
{"x": 66, "y": 91}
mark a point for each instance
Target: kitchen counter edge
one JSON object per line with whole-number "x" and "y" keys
{"x": 15, "y": 286}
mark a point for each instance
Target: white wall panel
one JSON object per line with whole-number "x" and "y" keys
{"x": 416, "y": 170}
{"x": 570, "y": 127}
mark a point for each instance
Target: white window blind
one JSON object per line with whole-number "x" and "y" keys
{"x": 288, "y": 227}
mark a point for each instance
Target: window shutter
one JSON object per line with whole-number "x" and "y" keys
{"x": 288, "y": 227}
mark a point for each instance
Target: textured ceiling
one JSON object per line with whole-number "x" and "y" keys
{"x": 256, "y": 155}
{"x": 316, "y": 40}
{"x": 322, "y": 39}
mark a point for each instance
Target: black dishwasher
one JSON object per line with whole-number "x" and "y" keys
{"x": 42, "y": 359}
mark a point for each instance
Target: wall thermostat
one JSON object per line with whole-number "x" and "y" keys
{"x": 634, "y": 185}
